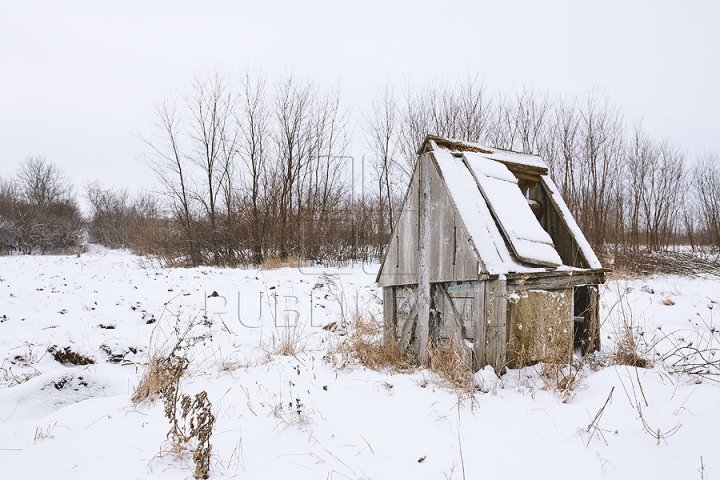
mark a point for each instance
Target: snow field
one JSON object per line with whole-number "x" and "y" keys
{"x": 302, "y": 416}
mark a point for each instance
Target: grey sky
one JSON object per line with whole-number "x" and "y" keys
{"x": 79, "y": 77}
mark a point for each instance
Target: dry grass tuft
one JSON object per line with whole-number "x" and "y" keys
{"x": 161, "y": 373}
{"x": 287, "y": 340}
{"x": 631, "y": 347}
{"x": 452, "y": 362}
{"x": 363, "y": 343}
{"x": 167, "y": 358}
{"x": 275, "y": 262}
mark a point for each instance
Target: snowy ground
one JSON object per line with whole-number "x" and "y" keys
{"x": 303, "y": 416}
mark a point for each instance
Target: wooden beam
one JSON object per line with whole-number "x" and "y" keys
{"x": 452, "y": 311}
{"x": 423, "y": 301}
{"x": 496, "y": 326}
{"x": 555, "y": 280}
{"x": 479, "y": 325}
{"x": 404, "y": 341}
{"x": 593, "y": 328}
{"x": 389, "y": 316}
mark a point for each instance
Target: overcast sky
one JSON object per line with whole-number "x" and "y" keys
{"x": 78, "y": 78}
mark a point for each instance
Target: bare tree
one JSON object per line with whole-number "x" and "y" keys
{"x": 382, "y": 129}
{"x": 706, "y": 182}
{"x": 562, "y": 147}
{"x": 292, "y": 109}
{"x": 254, "y": 118}
{"x": 167, "y": 158}
{"x": 600, "y": 162}
{"x": 532, "y": 113}
{"x": 42, "y": 182}
{"x": 213, "y": 147}
{"x": 661, "y": 200}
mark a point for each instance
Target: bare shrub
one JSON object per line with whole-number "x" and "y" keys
{"x": 637, "y": 403}
{"x": 191, "y": 419}
{"x": 287, "y": 340}
{"x": 162, "y": 373}
{"x": 696, "y": 354}
{"x": 631, "y": 346}
{"x": 38, "y": 210}
{"x": 167, "y": 358}
{"x": 292, "y": 413}
{"x": 191, "y": 422}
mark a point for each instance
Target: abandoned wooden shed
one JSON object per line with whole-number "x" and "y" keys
{"x": 485, "y": 250}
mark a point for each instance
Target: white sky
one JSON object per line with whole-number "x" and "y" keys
{"x": 79, "y": 77}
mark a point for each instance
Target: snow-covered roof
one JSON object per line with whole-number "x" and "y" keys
{"x": 503, "y": 229}
{"x": 485, "y": 233}
{"x": 489, "y": 193}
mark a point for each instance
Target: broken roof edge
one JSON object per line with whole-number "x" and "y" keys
{"x": 566, "y": 216}
{"x": 528, "y": 162}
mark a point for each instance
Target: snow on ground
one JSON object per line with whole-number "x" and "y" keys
{"x": 302, "y": 416}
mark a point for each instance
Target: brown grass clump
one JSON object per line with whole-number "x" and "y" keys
{"x": 452, "y": 362}
{"x": 161, "y": 373}
{"x": 631, "y": 346}
{"x": 627, "y": 350}
{"x": 363, "y": 343}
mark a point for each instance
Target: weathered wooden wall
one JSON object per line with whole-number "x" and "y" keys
{"x": 401, "y": 260}
{"x": 389, "y": 317}
{"x": 451, "y": 256}
{"x": 433, "y": 286}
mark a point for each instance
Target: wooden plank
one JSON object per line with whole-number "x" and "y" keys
{"x": 401, "y": 261}
{"x": 554, "y": 280}
{"x": 479, "y": 324}
{"x": 466, "y": 265}
{"x": 496, "y": 327}
{"x": 423, "y": 302}
{"x": 442, "y": 217}
{"x": 405, "y": 334}
{"x": 453, "y": 319}
{"x": 390, "y": 320}
{"x": 593, "y": 327}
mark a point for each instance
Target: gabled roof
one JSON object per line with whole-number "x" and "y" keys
{"x": 505, "y": 235}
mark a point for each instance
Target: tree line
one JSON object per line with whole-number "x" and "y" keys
{"x": 627, "y": 190}
{"x": 249, "y": 170}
